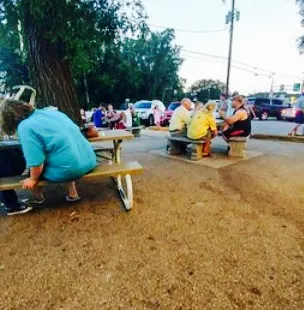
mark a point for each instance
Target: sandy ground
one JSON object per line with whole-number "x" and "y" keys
{"x": 197, "y": 238}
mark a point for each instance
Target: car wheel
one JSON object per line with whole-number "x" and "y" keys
{"x": 279, "y": 118}
{"x": 151, "y": 120}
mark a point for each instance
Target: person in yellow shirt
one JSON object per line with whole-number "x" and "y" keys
{"x": 203, "y": 127}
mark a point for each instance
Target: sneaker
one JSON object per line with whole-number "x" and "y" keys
{"x": 35, "y": 201}
{"x": 72, "y": 199}
{"x": 20, "y": 210}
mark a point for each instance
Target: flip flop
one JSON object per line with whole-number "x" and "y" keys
{"x": 72, "y": 199}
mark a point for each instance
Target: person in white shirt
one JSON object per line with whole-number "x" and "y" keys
{"x": 180, "y": 119}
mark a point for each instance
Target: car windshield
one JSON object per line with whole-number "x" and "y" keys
{"x": 173, "y": 106}
{"x": 143, "y": 105}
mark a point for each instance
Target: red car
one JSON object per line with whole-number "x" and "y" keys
{"x": 166, "y": 117}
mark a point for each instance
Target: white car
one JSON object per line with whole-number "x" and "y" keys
{"x": 145, "y": 108}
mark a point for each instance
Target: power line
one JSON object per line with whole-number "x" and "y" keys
{"x": 219, "y": 61}
{"x": 188, "y": 30}
{"x": 255, "y": 68}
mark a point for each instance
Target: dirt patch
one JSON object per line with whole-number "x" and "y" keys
{"x": 198, "y": 238}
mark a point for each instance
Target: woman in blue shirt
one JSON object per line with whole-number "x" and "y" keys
{"x": 53, "y": 146}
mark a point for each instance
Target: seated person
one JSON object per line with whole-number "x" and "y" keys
{"x": 12, "y": 163}
{"x": 53, "y": 146}
{"x": 134, "y": 115}
{"x": 112, "y": 117}
{"x": 99, "y": 117}
{"x": 203, "y": 127}
{"x": 239, "y": 124}
{"x": 121, "y": 121}
{"x": 180, "y": 119}
{"x": 83, "y": 116}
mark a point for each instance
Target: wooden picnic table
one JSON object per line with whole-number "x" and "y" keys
{"x": 117, "y": 136}
{"x": 220, "y": 124}
{"x": 117, "y": 171}
{"x": 9, "y": 144}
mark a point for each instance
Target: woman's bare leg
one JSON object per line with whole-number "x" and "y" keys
{"x": 72, "y": 191}
{"x": 207, "y": 147}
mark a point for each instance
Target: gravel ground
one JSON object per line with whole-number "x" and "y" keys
{"x": 197, "y": 238}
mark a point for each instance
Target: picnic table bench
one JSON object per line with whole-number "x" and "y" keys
{"x": 115, "y": 169}
{"x": 126, "y": 170}
{"x": 237, "y": 146}
{"x": 179, "y": 145}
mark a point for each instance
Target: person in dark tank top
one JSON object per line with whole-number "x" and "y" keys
{"x": 239, "y": 124}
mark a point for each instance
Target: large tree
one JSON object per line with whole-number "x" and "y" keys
{"x": 301, "y": 39}
{"x": 142, "y": 67}
{"x": 207, "y": 89}
{"x": 61, "y": 40}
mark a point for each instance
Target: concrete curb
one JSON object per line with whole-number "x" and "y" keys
{"x": 295, "y": 139}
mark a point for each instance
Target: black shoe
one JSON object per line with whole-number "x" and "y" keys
{"x": 20, "y": 210}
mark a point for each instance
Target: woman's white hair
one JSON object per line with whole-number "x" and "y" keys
{"x": 209, "y": 107}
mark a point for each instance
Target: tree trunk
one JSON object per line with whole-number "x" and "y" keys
{"x": 50, "y": 71}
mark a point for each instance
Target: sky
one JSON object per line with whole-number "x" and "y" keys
{"x": 264, "y": 39}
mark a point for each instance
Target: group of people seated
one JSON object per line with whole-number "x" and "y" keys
{"x": 201, "y": 123}
{"x": 53, "y": 149}
{"x": 109, "y": 118}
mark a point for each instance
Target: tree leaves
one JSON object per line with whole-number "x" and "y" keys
{"x": 207, "y": 89}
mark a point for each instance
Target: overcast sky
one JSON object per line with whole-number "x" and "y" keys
{"x": 265, "y": 37}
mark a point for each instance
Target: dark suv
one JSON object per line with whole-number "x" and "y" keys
{"x": 265, "y": 108}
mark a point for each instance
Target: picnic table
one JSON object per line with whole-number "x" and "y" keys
{"x": 10, "y": 144}
{"x": 117, "y": 136}
{"x": 220, "y": 124}
{"x": 116, "y": 170}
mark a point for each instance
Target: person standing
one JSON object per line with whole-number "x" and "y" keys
{"x": 180, "y": 119}
{"x": 157, "y": 115}
{"x": 298, "y": 130}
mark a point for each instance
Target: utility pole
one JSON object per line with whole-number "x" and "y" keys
{"x": 230, "y": 18}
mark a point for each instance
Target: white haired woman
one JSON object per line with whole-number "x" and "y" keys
{"x": 203, "y": 127}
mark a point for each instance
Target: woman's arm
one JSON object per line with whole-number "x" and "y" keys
{"x": 31, "y": 182}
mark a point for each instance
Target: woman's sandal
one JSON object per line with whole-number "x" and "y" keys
{"x": 72, "y": 199}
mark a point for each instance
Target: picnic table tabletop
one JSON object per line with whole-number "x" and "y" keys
{"x": 112, "y": 135}
{"x": 9, "y": 144}
{"x": 219, "y": 121}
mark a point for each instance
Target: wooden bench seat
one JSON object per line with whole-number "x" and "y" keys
{"x": 103, "y": 152}
{"x": 237, "y": 146}
{"x": 179, "y": 145}
{"x": 127, "y": 169}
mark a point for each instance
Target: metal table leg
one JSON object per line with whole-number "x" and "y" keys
{"x": 127, "y": 198}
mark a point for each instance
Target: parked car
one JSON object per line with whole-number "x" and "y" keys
{"x": 265, "y": 107}
{"x": 291, "y": 113}
{"x": 145, "y": 110}
{"x": 166, "y": 117}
